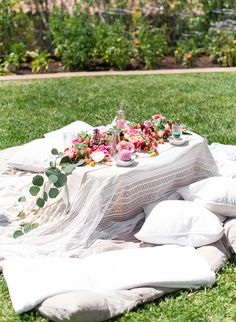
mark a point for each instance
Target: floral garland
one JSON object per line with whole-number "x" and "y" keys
{"x": 141, "y": 137}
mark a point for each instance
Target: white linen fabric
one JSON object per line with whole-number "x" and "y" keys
{"x": 107, "y": 203}
{"x": 11, "y": 189}
{"x": 180, "y": 222}
{"x": 30, "y": 281}
{"x": 217, "y": 194}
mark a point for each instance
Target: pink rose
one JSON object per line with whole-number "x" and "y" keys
{"x": 157, "y": 116}
{"x": 77, "y": 140}
{"x": 72, "y": 153}
{"x": 137, "y": 141}
{"x": 148, "y": 123}
{"x": 124, "y": 145}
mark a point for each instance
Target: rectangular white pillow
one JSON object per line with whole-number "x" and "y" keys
{"x": 34, "y": 156}
{"x": 180, "y": 222}
{"x": 217, "y": 194}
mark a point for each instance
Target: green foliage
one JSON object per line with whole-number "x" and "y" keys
{"x": 15, "y": 26}
{"x": 112, "y": 44}
{"x": 38, "y": 180}
{"x": 34, "y": 190}
{"x": 222, "y": 47}
{"x": 151, "y": 44}
{"x": 60, "y": 168}
{"x": 73, "y": 38}
{"x": 39, "y": 60}
{"x": 24, "y": 228}
{"x": 187, "y": 51}
{"x": 13, "y": 60}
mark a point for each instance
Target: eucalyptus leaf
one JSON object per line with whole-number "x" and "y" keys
{"x": 53, "y": 178}
{"x": 34, "y": 190}
{"x": 60, "y": 154}
{"x": 18, "y": 233}
{"x": 40, "y": 202}
{"x": 54, "y": 152}
{"x": 69, "y": 169}
{"x": 22, "y": 199}
{"x": 53, "y": 193}
{"x": 65, "y": 160}
{"x": 27, "y": 228}
{"x": 38, "y": 180}
{"x": 45, "y": 196}
{"x": 62, "y": 179}
{"x": 80, "y": 162}
{"x": 50, "y": 171}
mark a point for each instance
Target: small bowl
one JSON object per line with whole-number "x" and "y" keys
{"x": 121, "y": 163}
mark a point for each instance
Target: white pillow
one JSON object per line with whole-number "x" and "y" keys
{"x": 34, "y": 156}
{"x": 228, "y": 169}
{"x": 180, "y": 222}
{"x": 225, "y": 157}
{"x": 75, "y": 127}
{"x": 217, "y": 194}
{"x": 223, "y": 152}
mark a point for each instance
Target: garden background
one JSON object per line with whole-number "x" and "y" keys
{"x": 42, "y": 35}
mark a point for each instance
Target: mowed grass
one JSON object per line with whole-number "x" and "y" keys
{"x": 204, "y": 102}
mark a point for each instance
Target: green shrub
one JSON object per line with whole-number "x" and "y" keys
{"x": 73, "y": 38}
{"x": 222, "y": 47}
{"x": 39, "y": 61}
{"x": 186, "y": 52}
{"x": 15, "y": 26}
{"x": 112, "y": 44}
{"x": 151, "y": 44}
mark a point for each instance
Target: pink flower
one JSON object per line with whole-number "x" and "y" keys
{"x": 125, "y": 155}
{"x": 102, "y": 147}
{"x": 137, "y": 141}
{"x": 131, "y": 131}
{"x": 148, "y": 123}
{"x": 72, "y": 153}
{"x": 124, "y": 145}
{"x": 77, "y": 140}
{"x": 157, "y": 116}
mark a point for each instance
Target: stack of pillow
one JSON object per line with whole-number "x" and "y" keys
{"x": 196, "y": 220}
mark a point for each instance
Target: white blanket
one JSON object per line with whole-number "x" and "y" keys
{"x": 30, "y": 281}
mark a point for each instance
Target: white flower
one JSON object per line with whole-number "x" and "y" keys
{"x": 97, "y": 156}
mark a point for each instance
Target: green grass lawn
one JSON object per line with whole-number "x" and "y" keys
{"x": 204, "y": 102}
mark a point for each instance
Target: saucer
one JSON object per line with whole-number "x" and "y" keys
{"x": 121, "y": 163}
{"x": 180, "y": 141}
